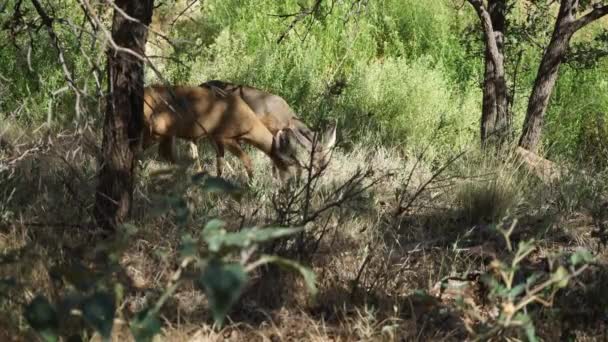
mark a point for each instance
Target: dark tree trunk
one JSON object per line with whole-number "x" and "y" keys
{"x": 497, "y": 10}
{"x": 565, "y": 26}
{"x": 544, "y": 83}
{"x": 488, "y": 108}
{"x": 494, "y": 117}
{"x": 124, "y": 114}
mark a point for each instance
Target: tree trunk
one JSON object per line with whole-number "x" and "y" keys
{"x": 545, "y": 80}
{"x": 124, "y": 114}
{"x": 566, "y": 25}
{"x": 488, "y": 108}
{"x": 497, "y": 10}
{"x": 494, "y": 107}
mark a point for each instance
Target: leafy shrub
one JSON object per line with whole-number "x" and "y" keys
{"x": 215, "y": 260}
{"x": 512, "y": 293}
{"x": 410, "y": 103}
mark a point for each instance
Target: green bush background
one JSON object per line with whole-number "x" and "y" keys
{"x": 399, "y": 72}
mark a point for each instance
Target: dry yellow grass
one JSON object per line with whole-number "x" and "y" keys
{"x": 378, "y": 273}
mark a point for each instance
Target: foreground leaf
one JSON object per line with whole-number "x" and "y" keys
{"x": 42, "y": 317}
{"x": 581, "y": 257}
{"x": 217, "y": 238}
{"x": 98, "y": 310}
{"x": 218, "y": 185}
{"x": 306, "y": 273}
{"x": 223, "y": 284}
{"x": 145, "y": 326}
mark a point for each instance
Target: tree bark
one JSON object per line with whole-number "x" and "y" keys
{"x": 124, "y": 113}
{"x": 565, "y": 27}
{"x": 488, "y": 107}
{"x": 494, "y": 117}
{"x": 545, "y": 79}
{"x": 497, "y": 10}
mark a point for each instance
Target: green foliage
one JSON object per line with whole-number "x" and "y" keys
{"x": 223, "y": 283}
{"x": 98, "y": 310}
{"x": 390, "y": 67}
{"x": 512, "y": 292}
{"x": 33, "y": 88}
{"x": 43, "y": 318}
{"x": 213, "y": 253}
{"x": 577, "y": 118}
{"x": 145, "y": 326}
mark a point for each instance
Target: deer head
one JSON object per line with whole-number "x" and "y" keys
{"x": 295, "y": 148}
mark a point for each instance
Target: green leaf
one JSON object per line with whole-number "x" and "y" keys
{"x": 129, "y": 229}
{"x": 188, "y": 246}
{"x": 218, "y": 185}
{"x": 560, "y": 277}
{"x": 528, "y": 325}
{"x": 532, "y": 279}
{"x": 42, "y": 317}
{"x": 98, "y": 310}
{"x": 217, "y": 238}
{"x": 145, "y": 326}
{"x": 517, "y": 290}
{"x": 213, "y": 234}
{"x": 267, "y": 234}
{"x": 581, "y": 257}
{"x": 180, "y": 207}
{"x": 213, "y": 226}
{"x": 306, "y": 273}
{"x": 223, "y": 284}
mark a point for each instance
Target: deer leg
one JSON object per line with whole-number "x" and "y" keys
{"x": 166, "y": 149}
{"x": 234, "y": 148}
{"x": 194, "y": 155}
{"x": 219, "y": 148}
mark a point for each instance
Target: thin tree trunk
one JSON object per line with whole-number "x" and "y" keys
{"x": 565, "y": 27}
{"x": 494, "y": 107}
{"x": 497, "y": 10}
{"x": 545, "y": 81}
{"x": 124, "y": 114}
{"x": 541, "y": 93}
{"x": 488, "y": 109}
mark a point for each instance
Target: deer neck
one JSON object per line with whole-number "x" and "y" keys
{"x": 263, "y": 140}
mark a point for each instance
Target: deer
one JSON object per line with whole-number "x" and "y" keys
{"x": 193, "y": 112}
{"x": 277, "y": 115}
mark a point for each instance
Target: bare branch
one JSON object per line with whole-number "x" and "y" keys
{"x": 490, "y": 37}
{"x": 300, "y": 16}
{"x": 48, "y": 22}
{"x": 598, "y": 12}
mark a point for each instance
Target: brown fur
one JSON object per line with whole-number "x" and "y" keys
{"x": 192, "y": 113}
{"x": 274, "y": 113}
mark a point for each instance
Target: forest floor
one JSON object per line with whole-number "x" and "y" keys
{"x": 400, "y": 245}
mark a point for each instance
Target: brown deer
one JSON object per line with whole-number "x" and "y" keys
{"x": 277, "y": 115}
{"x": 191, "y": 113}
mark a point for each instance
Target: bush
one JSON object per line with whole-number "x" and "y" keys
{"x": 491, "y": 193}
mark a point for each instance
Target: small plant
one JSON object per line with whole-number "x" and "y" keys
{"x": 513, "y": 296}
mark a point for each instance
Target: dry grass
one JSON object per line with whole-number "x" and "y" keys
{"x": 378, "y": 272}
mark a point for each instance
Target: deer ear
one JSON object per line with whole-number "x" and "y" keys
{"x": 281, "y": 142}
{"x": 302, "y": 139}
{"x": 329, "y": 138}
{"x": 276, "y": 141}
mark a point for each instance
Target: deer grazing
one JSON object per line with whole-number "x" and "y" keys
{"x": 192, "y": 113}
{"x": 274, "y": 112}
